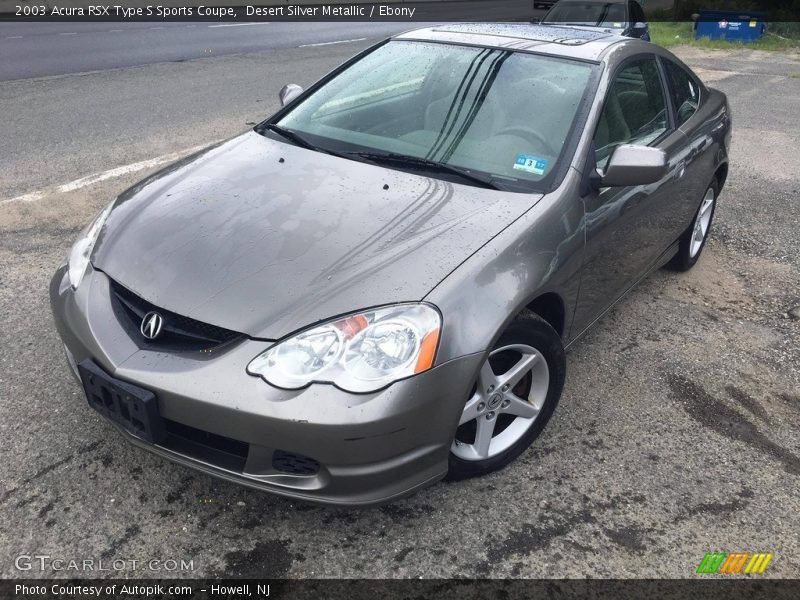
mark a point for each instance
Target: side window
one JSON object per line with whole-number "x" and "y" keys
{"x": 635, "y": 110}
{"x": 636, "y": 12}
{"x": 684, "y": 91}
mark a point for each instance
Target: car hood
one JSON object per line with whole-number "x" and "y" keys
{"x": 263, "y": 237}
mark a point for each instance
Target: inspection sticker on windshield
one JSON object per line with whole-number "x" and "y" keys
{"x": 531, "y": 164}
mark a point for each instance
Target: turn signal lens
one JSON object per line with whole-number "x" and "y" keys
{"x": 427, "y": 351}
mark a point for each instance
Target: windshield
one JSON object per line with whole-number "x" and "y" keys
{"x": 595, "y": 14}
{"x": 500, "y": 115}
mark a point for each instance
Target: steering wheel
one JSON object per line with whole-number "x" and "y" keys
{"x": 528, "y": 132}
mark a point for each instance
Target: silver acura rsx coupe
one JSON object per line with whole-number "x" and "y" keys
{"x": 375, "y": 287}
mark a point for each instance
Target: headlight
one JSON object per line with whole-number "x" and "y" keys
{"x": 82, "y": 249}
{"x": 363, "y": 352}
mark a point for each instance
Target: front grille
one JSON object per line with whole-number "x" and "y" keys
{"x": 294, "y": 464}
{"x": 178, "y": 332}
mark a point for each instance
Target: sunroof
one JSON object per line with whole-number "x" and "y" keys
{"x": 543, "y": 33}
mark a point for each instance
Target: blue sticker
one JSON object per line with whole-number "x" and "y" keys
{"x": 531, "y": 164}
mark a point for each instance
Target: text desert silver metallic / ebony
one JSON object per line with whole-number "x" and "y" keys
{"x": 375, "y": 287}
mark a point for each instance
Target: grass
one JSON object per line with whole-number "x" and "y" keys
{"x": 675, "y": 34}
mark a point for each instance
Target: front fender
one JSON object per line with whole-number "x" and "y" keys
{"x": 541, "y": 252}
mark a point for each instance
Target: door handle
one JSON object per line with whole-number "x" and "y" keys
{"x": 697, "y": 150}
{"x": 680, "y": 169}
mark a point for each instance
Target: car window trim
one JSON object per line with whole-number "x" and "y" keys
{"x": 666, "y": 90}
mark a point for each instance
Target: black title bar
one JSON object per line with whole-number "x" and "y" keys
{"x": 733, "y": 588}
{"x": 355, "y": 10}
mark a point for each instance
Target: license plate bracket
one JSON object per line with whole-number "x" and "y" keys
{"x": 132, "y": 407}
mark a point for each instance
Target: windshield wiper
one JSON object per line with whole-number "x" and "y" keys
{"x": 291, "y": 136}
{"x": 299, "y": 140}
{"x": 388, "y": 157}
{"x": 424, "y": 164}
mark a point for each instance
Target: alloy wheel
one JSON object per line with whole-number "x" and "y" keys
{"x": 701, "y": 223}
{"x": 510, "y": 392}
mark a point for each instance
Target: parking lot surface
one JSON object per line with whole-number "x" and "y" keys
{"x": 676, "y": 435}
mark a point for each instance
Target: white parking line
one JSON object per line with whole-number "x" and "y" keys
{"x": 238, "y": 24}
{"x": 13, "y": 37}
{"x": 110, "y": 174}
{"x": 114, "y": 30}
{"x": 331, "y": 43}
{"x": 69, "y": 33}
{"x": 24, "y": 198}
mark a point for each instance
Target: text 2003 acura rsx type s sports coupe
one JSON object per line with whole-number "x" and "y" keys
{"x": 374, "y": 288}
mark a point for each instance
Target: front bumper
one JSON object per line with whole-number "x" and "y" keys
{"x": 372, "y": 448}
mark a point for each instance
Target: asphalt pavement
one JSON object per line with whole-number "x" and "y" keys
{"x": 100, "y": 118}
{"x": 43, "y": 49}
{"x": 676, "y": 434}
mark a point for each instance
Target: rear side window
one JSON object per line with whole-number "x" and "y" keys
{"x": 634, "y": 111}
{"x": 684, "y": 91}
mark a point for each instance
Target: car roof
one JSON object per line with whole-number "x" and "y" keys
{"x": 556, "y": 40}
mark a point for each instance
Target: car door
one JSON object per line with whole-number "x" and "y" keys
{"x": 629, "y": 228}
{"x": 699, "y": 159}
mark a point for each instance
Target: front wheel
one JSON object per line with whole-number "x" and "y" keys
{"x": 516, "y": 391}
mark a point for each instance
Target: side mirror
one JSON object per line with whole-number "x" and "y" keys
{"x": 634, "y": 165}
{"x": 289, "y": 92}
{"x": 641, "y": 27}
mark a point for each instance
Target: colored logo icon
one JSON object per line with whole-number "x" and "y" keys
{"x": 734, "y": 562}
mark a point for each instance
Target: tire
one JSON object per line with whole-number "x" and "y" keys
{"x": 534, "y": 349}
{"x": 690, "y": 246}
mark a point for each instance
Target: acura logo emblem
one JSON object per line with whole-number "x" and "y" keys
{"x": 151, "y": 325}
